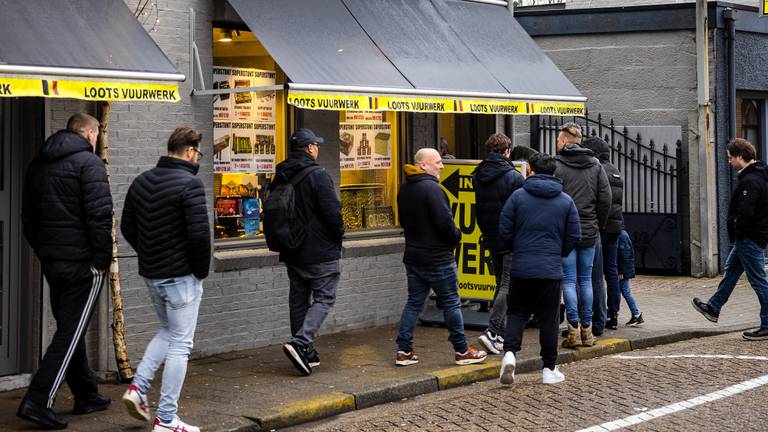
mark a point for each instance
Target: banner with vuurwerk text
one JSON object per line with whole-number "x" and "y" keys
{"x": 88, "y": 90}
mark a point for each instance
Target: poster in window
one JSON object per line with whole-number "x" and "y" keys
{"x": 222, "y": 107}
{"x": 365, "y": 146}
{"x": 222, "y": 146}
{"x": 264, "y": 148}
{"x": 242, "y": 147}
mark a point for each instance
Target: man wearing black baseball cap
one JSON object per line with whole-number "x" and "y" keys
{"x": 313, "y": 266}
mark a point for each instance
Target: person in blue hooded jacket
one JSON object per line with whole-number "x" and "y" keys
{"x": 540, "y": 225}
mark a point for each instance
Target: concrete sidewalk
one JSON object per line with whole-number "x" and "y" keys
{"x": 259, "y": 389}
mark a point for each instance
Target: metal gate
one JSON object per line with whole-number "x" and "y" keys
{"x": 651, "y": 174}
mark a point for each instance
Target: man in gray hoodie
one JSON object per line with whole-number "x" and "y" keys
{"x": 585, "y": 181}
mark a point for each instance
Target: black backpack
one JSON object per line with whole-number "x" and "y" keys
{"x": 283, "y": 223}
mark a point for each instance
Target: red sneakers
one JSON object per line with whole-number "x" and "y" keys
{"x": 406, "y": 358}
{"x": 472, "y": 356}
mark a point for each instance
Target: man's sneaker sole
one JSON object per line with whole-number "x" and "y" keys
{"x": 314, "y": 364}
{"x": 488, "y": 344}
{"x": 703, "y": 312}
{"x": 134, "y": 409}
{"x": 754, "y": 338}
{"x": 470, "y": 361}
{"x": 507, "y": 375}
{"x": 295, "y": 358}
{"x": 405, "y": 362}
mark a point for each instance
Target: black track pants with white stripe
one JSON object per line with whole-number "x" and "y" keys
{"x": 75, "y": 288}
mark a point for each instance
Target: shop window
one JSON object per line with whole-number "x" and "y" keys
{"x": 465, "y": 134}
{"x": 749, "y": 120}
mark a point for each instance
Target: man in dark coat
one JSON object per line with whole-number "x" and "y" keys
{"x": 540, "y": 225}
{"x": 494, "y": 180}
{"x": 748, "y": 231}
{"x": 313, "y": 267}
{"x": 67, "y": 216}
{"x": 431, "y": 236}
{"x": 165, "y": 220}
{"x": 605, "y": 264}
{"x": 585, "y": 181}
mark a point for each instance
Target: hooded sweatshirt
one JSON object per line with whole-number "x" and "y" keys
{"x": 615, "y": 217}
{"x": 748, "y": 209}
{"x": 425, "y": 215}
{"x": 67, "y": 205}
{"x": 494, "y": 180}
{"x": 540, "y": 225}
{"x": 585, "y": 181}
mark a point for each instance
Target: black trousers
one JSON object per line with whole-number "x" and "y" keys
{"x": 540, "y": 297}
{"x": 75, "y": 288}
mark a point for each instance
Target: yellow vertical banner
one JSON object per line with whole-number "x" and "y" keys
{"x": 476, "y": 279}
{"x": 765, "y": 7}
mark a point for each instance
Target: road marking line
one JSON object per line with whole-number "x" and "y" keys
{"x": 705, "y": 356}
{"x": 680, "y": 406}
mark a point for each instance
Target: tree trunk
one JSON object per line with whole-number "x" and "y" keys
{"x": 118, "y": 324}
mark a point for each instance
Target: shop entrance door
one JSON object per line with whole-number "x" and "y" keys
{"x": 9, "y": 356}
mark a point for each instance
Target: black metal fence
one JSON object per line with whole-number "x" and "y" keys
{"x": 651, "y": 175}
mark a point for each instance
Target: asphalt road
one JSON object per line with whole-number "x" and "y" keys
{"x": 714, "y": 384}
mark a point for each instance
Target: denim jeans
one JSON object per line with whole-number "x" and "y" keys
{"x": 311, "y": 297}
{"x": 577, "y": 285}
{"x": 626, "y": 291}
{"x": 177, "y": 302}
{"x": 497, "y": 322}
{"x": 610, "y": 243}
{"x": 599, "y": 313}
{"x": 443, "y": 280}
{"x": 745, "y": 256}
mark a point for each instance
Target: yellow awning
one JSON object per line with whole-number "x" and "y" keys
{"x": 89, "y": 90}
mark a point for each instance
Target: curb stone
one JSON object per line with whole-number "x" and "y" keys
{"x": 334, "y": 403}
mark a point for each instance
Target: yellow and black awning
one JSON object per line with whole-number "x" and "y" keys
{"x": 441, "y": 56}
{"x": 81, "y": 49}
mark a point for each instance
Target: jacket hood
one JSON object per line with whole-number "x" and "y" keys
{"x": 758, "y": 167}
{"x": 64, "y": 143}
{"x": 296, "y": 161}
{"x": 577, "y": 157}
{"x": 598, "y": 146}
{"x": 176, "y": 163}
{"x": 493, "y": 167}
{"x": 543, "y": 185}
{"x": 414, "y": 174}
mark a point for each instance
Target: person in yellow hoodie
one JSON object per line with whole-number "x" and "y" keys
{"x": 430, "y": 238}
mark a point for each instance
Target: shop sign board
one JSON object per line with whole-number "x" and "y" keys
{"x": 88, "y": 90}
{"x": 342, "y": 102}
{"x": 244, "y": 123}
{"x": 476, "y": 277}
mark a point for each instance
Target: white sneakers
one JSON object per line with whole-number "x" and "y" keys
{"x": 176, "y": 425}
{"x": 552, "y": 376}
{"x": 507, "y": 375}
{"x": 136, "y": 402}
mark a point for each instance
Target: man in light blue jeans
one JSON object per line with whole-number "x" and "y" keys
{"x": 165, "y": 219}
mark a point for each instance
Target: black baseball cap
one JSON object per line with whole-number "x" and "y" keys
{"x": 304, "y": 137}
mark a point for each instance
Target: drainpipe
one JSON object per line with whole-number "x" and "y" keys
{"x": 729, "y": 15}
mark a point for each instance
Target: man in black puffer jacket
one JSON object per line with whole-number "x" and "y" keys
{"x": 67, "y": 215}
{"x": 606, "y": 260}
{"x": 165, "y": 220}
{"x": 585, "y": 181}
{"x": 430, "y": 238}
{"x": 314, "y": 267}
{"x": 494, "y": 180}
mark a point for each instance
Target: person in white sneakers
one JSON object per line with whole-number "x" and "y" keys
{"x": 540, "y": 225}
{"x": 165, "y": 220}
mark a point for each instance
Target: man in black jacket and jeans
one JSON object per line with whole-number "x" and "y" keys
{"x": 67, "y": 216}
{"x": 165, "y": 220}
{"x": 313, "y": 267}
{"x": 494, "y": 180}
{"x": 748, "y": 231}
{"x": 430, "y": 238}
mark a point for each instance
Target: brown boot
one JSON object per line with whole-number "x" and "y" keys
{"x": 587, "y": 338}
{"x": 573, "y": 339}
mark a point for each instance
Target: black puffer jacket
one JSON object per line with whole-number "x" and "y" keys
{"x": 425, "y": 215}
{"x": 585, "y": 181}
{"x": 318, "y": 202}
{"x": 603, "y": 152}
{"x": 67, "y": 206}
{"x": 494, "y": 180}
{"x": 748, "y": 209}
{"x": 165, "y": 220}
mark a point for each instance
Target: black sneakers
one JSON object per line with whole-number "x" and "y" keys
{"x": 40, "y": 415}
{"x": 705, "y": 309}
{"x": 635, "y": 321}
{"x": 298, "y": 356}
{"x": 313, "y": 359}
{"x": 757, "y": 335}
{"x": 91, "y": 404}
{"x": 612, "y": 323}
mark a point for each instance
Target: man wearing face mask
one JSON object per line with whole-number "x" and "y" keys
{"x": 165, "y": 220}
{"x": 67, "y": 214}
